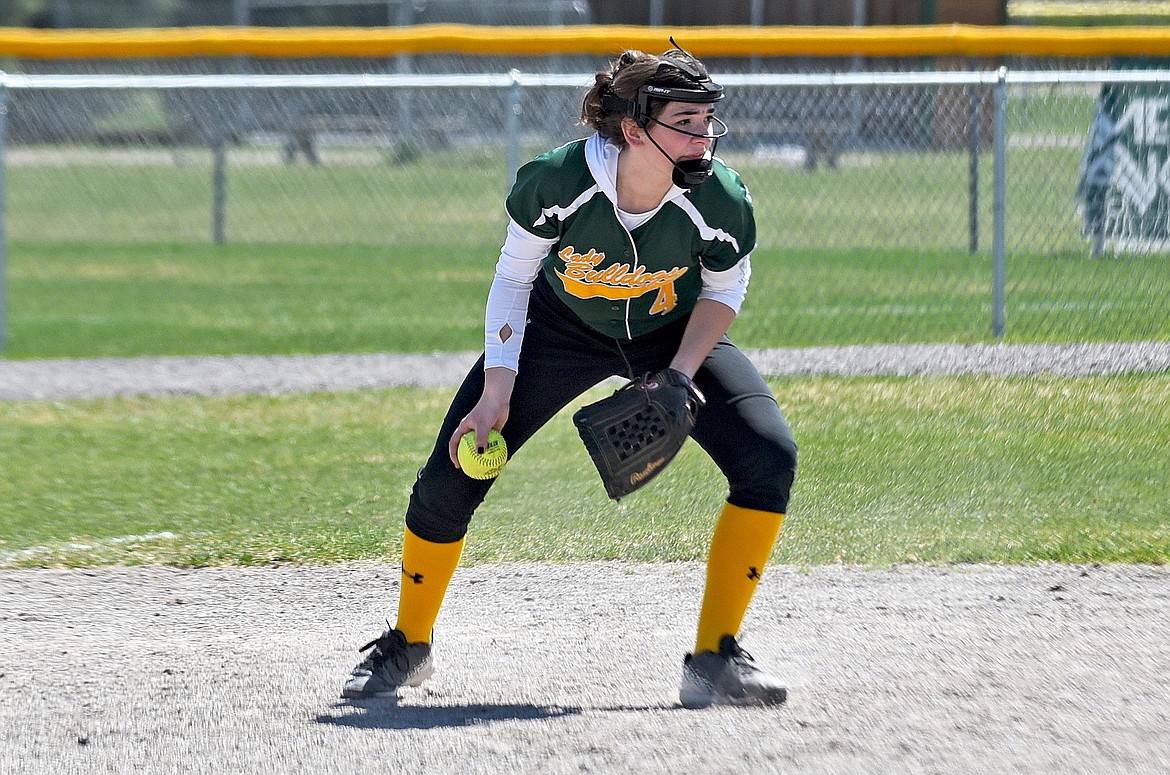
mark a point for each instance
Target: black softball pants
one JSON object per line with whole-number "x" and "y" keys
{"x": 741, "y": 427}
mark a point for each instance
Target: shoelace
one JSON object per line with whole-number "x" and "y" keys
{"x": 390, "y": 644}
{"x": 736, "y": 653}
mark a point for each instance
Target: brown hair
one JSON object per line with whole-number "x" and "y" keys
{"x": 632, "y": 70}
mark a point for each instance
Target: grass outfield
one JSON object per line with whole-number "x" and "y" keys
{"x": 901, "y": 201}
{"x": 932, "y": 469}
{"x": 940, "y": 470}
{"x": 87, "y": 300}
{"x": 350, "y": 255}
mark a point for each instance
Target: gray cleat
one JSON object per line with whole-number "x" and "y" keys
{"x": 391, "y": 663}
{"x": 727, "y": 677}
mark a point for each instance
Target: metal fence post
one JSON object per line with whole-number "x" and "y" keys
{"x": 513, "y": 129}
{"x": 657, "y": 13}
{"x": 999, "y": 207}
{"x": 973, "y": 138}
{"x": 3, "y": 213}
{"x": 219, "y": 189}
{"x": 755, "y": 19}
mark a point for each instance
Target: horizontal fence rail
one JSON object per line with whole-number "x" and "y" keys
{"x": 515, "y": 77}
{"x": 950, "y": 206}
{"x": 732, "y": 41}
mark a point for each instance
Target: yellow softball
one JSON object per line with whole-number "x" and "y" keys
{"x": 488, "y": 464}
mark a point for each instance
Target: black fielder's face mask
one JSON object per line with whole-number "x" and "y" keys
{"x": 689, "y": 173}
{"x": 701, "y": 90}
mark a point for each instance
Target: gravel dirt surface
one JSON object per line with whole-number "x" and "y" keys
{"x": 91, "y": 378}
{"x": 575, "y": 668}
{"x": 568, "y": 669}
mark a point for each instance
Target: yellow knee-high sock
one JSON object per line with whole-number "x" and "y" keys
{"x": 427, "y": 569}
{"x": 740, "y": 548}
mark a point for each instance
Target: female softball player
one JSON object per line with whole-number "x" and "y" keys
{"x": 626, "y": 252}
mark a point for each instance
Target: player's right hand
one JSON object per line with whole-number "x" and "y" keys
{"x": 490, "y": 412}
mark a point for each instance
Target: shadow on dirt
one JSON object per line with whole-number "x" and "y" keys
{"x": 385, "y": 713}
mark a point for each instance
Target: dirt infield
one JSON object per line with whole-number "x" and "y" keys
{"x": 558, "y": 669}
{"x": 574, "y": 668}
{"x": 65, "y": 378}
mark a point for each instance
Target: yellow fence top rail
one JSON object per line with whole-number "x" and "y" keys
{"x": 605, "y": 40}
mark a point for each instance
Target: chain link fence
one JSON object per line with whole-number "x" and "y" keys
{"x": 876, "y": 193}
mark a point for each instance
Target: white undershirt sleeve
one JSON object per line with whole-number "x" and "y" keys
{"x": 729, "y": 286}
{"x": 507, "y": 302}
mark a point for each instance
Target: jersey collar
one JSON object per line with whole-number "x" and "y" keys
{"x": 601, "y": 156}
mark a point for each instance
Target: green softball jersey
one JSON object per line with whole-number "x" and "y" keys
{"x": 626, "y": 283}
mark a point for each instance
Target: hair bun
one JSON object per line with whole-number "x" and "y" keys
{"x": 627, "y": 58}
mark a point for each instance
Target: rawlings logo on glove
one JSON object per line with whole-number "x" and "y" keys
{"x": 633, "y": 434}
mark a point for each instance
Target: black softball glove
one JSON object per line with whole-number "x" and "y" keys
{"x": 634, "y": 433}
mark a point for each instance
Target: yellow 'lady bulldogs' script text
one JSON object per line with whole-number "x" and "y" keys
{"x": 617, "y": 281}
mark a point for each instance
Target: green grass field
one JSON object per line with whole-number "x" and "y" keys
{"x": 904, "y": 201}
{"x": 333, "y": 259}
{"x": 85, "y": 300}
{"x": 349, "y": 255}
{"x": 972, "y": 469}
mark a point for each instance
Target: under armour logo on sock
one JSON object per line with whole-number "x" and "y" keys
{"x": 417, "y": 578}
{"x": 753, "y": 574}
